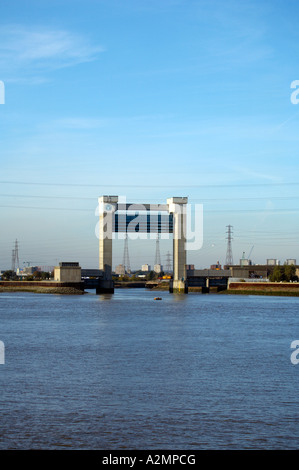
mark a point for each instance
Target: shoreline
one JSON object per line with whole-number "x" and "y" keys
{"x": 43, "y": 290}
{"x": 278, "y": 293}
{"x": 270, "y": 290}
{"x": 43, "y": 287}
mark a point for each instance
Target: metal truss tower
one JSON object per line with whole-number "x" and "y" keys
{"x": 229, "y": 252}
{"x": 126, "y": 258}
{"x": 158, "y": 256}
{"x": 168, "y": 267}
{"x": 15, "y": 263}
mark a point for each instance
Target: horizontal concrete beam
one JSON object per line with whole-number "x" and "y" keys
{"x": 208, "y": 273}
{"x": 146, "y": 207}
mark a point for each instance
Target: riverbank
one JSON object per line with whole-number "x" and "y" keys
{"x": 159, "y": 287}
{"x": 129, "y": 284}
{"x": 263, "y": 288}
{"x": 42, "y": 287}
{"x": 241, "y": 288}
{"x": 44, "y": 290}
{"x": 260, "y": 292}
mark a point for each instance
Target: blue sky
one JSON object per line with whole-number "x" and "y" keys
{"x": 148, "y": 100}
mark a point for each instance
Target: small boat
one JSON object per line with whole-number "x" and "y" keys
{"x": 158, "y": 298}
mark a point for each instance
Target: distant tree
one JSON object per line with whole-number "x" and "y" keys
{"x": 37, "y": 275}
{"x": 9, "y": 275}
{"x": 290, "y": 273}
{"x": 46, "y": 275}
{"x": 151, "y": 276}
{"x": 278, "y": 274}
{"x": 41, "y": 275}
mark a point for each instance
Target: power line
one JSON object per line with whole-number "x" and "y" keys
{"x": 265, "y": 210}
{"x": 47, "y": 197}
{"x": 263, "y": 198}
{"x": 48, "y": 208}
{"x": 119, "y": 185}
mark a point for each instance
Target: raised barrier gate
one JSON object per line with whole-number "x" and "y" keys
{"x": 118, "y": 216}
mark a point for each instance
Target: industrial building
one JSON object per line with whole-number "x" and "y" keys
{"x": 120, "y": 270}
{"x": 158, "y": 268}
{"x": 67, "y": 272}
{"x": 145, "y": 268}
{"x": 261, "y": 271}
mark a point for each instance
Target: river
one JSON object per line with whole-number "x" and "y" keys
{"x": 125, "y": 371}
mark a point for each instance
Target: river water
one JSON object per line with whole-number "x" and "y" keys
{"x": 125, "y": 371}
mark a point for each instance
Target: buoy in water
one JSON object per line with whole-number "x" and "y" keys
{"x": 158, "y": 298}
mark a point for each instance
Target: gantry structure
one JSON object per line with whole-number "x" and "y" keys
{"x": 116, "y": 215}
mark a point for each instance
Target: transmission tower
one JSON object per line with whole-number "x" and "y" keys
{"x": 15, "y": 263}
{"x": 158, "y": 256}
{"x": 13, "y": 260}
{"x": 229, "y": 252}
{"x": 126, "y": 259}
{"x": 168, "y": 267}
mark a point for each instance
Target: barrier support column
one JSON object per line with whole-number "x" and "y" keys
{"x": 177, "y": 206}
{"x": 107, "y": 208}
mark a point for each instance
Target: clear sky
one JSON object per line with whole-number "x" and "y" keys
{"x": 148, "y": 99}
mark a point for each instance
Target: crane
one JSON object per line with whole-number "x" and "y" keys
{"x": 250, "y": 252}
{"x": 30, "y": 263}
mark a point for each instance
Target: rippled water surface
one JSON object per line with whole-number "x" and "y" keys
{"x": 128, "y": 372}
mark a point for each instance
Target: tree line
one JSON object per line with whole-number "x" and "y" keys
{"x": 286, "y": 273}
{"x": 10, "y": 275}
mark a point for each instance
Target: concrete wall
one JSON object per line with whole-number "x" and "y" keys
{"x": 76, "y": 285}
{"x": 251, "y": 271}
{"x": 267, "y": 286}
{"x": 208, "y": 273}
{"x": 67, "y": 274}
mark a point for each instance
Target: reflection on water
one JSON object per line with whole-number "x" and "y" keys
{"x": 179, "y": 297}
{"x": 103, "y": 297}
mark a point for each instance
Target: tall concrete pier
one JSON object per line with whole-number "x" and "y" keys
{"x": 177, "y": 207}
{"x": 107, "y": 209}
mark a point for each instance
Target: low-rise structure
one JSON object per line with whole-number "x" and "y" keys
{"x": 273, "y": 262}
{"x": 145, "y": 268}
{"x": 158, "y": 268}
{"x": 120, "y": 270}
{"x": 215, "y": 266}
{"x": 67, "y": 272}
